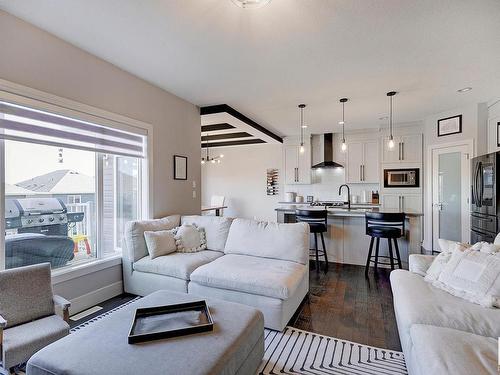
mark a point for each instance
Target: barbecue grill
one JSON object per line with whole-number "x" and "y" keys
{"x": 47, "y": 216}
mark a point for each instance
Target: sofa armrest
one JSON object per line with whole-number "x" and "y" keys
{"x": 64, "y": 304}
{"x": 419, "y": 263}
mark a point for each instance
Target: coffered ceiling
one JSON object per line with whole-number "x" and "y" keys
{"x": 263, "y": 62}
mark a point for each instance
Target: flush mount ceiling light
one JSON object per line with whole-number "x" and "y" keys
{"x": 302, "y": 127}
{"x": 465, "y": 89}
{"x": 390, "y": 143}
{"x": 344, "y": 145}
{"x": 251, "y": 4}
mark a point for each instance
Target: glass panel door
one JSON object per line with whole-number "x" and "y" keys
{"x": 450, "y": 196}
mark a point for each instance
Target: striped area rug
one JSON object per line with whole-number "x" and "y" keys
{"x": 294, "y": 351}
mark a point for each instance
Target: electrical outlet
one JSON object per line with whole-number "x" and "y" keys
{"x": 194, "y": 194}
{"x": 194, "y": 184}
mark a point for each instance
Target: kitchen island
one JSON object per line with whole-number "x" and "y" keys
{"x": 346, "y": 241}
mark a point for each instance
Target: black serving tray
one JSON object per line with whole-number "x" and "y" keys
{"x": 160, "y": 322}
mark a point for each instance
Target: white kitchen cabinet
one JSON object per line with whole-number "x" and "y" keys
{"x": 402, "y": 202}
{"x": 297, "y": 165}
{"x": 362, "y": 162}
{"x": 407, "y": 149}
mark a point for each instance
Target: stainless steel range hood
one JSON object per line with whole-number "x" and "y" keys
{"x": 322, "y": 151}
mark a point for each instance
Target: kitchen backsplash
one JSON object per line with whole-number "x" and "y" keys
{"x": 325, "y": 186}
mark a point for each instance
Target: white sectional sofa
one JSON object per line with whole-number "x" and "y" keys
{"x": 441, "y": 333}
{"x": 260, "y": 264}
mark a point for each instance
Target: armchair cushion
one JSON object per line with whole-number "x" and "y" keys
{"x": 20, "y": 342}
{"x": 26, "y": 294}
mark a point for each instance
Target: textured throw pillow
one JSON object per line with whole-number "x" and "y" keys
{"x": 161, "y": 242}
{"x": 440, "y": 261}
{"x": 472, "y": 275}
{"x": 190, "y": 239}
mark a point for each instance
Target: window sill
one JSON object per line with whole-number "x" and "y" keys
{"x": 72, "y": 272}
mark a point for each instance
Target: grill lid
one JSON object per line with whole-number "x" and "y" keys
{"x": 39, "y": 206}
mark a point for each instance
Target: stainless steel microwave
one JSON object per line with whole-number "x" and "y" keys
{"x": 398, "y": 178}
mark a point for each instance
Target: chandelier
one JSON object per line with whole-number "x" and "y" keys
{"x": 207, "y": 158}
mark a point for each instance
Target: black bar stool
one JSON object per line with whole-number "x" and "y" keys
{"x": 317, "y": 224}
{"x": 384, "y": 225}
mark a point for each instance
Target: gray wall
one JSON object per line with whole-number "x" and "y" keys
{"x": 37, "y": 59}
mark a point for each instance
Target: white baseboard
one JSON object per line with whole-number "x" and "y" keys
{"x": 95, "y": 297}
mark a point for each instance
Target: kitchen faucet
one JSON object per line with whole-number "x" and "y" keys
{"x": 348, "y": 194}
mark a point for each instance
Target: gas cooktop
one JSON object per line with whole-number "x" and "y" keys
{"x": 327, "y": 204}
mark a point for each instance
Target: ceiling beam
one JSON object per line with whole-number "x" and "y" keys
{"x": 217, "y": 137}
{"x": 233, "y": 143}
{"x": 215, "y": 127}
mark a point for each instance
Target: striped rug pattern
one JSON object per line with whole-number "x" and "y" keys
{"x": 294, "y": 351}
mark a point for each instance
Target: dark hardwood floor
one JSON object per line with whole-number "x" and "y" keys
{"x": 341, "y": 303}
{"x": 344, "y": 304}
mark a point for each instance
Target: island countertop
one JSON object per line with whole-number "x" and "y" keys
{"x": 343, "y": 212}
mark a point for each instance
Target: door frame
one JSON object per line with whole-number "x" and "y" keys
{"x": 428, "y": 207}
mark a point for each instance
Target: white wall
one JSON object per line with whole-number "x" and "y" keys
{"x": 241, "y": 178}
{"x": 37, "y": 59}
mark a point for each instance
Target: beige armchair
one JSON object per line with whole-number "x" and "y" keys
{"x": 28, "y": 321}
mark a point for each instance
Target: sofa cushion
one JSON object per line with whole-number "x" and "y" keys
{"x": 179, "y": 265}
{"x": 134, "y": 234}
{"x": 267, "y": 277}
{"x": 269, "y": 240}
{"x": 216, "y": 229}
{"x": 418, "y": 302}
{"x": 160, "y": 242}
{"x": 448, "y": 351}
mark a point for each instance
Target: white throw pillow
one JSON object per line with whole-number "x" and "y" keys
{"x": 440, "y": 261}
{"x": 472, "y": 275}
{"x": 190, "y": 239}
{"x": 161, "y": 242}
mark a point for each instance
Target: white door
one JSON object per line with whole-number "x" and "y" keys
{"x": 411, "y": 148}
{"x": 391, "y": 201}
{"x": 411, "y": 203}
{"x": 371, "y": 163}
{"x": 354, "y": 162}
{"x": 450, "y": 194}
{"x": 291, "y": 164}
{"x": 391, "y": 155}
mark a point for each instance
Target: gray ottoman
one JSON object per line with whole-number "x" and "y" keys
{"x": 235, "y": 346}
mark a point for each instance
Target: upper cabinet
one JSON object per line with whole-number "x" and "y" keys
{"x": 407, "y": 149}
{"x": 297, "y": 165}
{"x": 362, "y": 162}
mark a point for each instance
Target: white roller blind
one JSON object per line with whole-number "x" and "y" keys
{"x": 20, "y": 123}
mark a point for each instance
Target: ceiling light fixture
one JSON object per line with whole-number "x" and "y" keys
{"x": 207, "y": 158}
{"x": 251, "y": 4}
{"x": 302, "y": 127}
{"x": 390, "y": 144}
{"x": 344, "y": 145}
{"x": 465, "y": 89}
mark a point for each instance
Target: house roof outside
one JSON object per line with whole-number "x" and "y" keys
{"x": 16, "y": 190}
{"x": 63, "y": 181}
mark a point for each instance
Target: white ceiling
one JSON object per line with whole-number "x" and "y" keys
{"x": 263, "y": 62}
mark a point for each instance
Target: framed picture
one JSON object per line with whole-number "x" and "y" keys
{"x": 449, "y": 125}
{"x": 498, "y": 134}
{"x": 180, "y": 167}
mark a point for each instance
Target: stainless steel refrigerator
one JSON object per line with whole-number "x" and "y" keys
{"x": 484, "y": 197}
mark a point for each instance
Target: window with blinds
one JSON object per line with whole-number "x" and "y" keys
{"x": 19, "y": 123}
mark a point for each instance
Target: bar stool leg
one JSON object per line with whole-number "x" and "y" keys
{"x": 316, "y": 249}
{"x": 390, "y": 253}
{"x": 397, "y": 253}
{"x": 324, "y": 251}
{"x": 369, "y": 256}
{"x": 376, "y": 253}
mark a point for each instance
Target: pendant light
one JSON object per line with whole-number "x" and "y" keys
{"x": 343, "y": 147}
{"x": 302, "y": 127}
{"x": 390, "y": 143}
{"x": 207, "y": 157}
